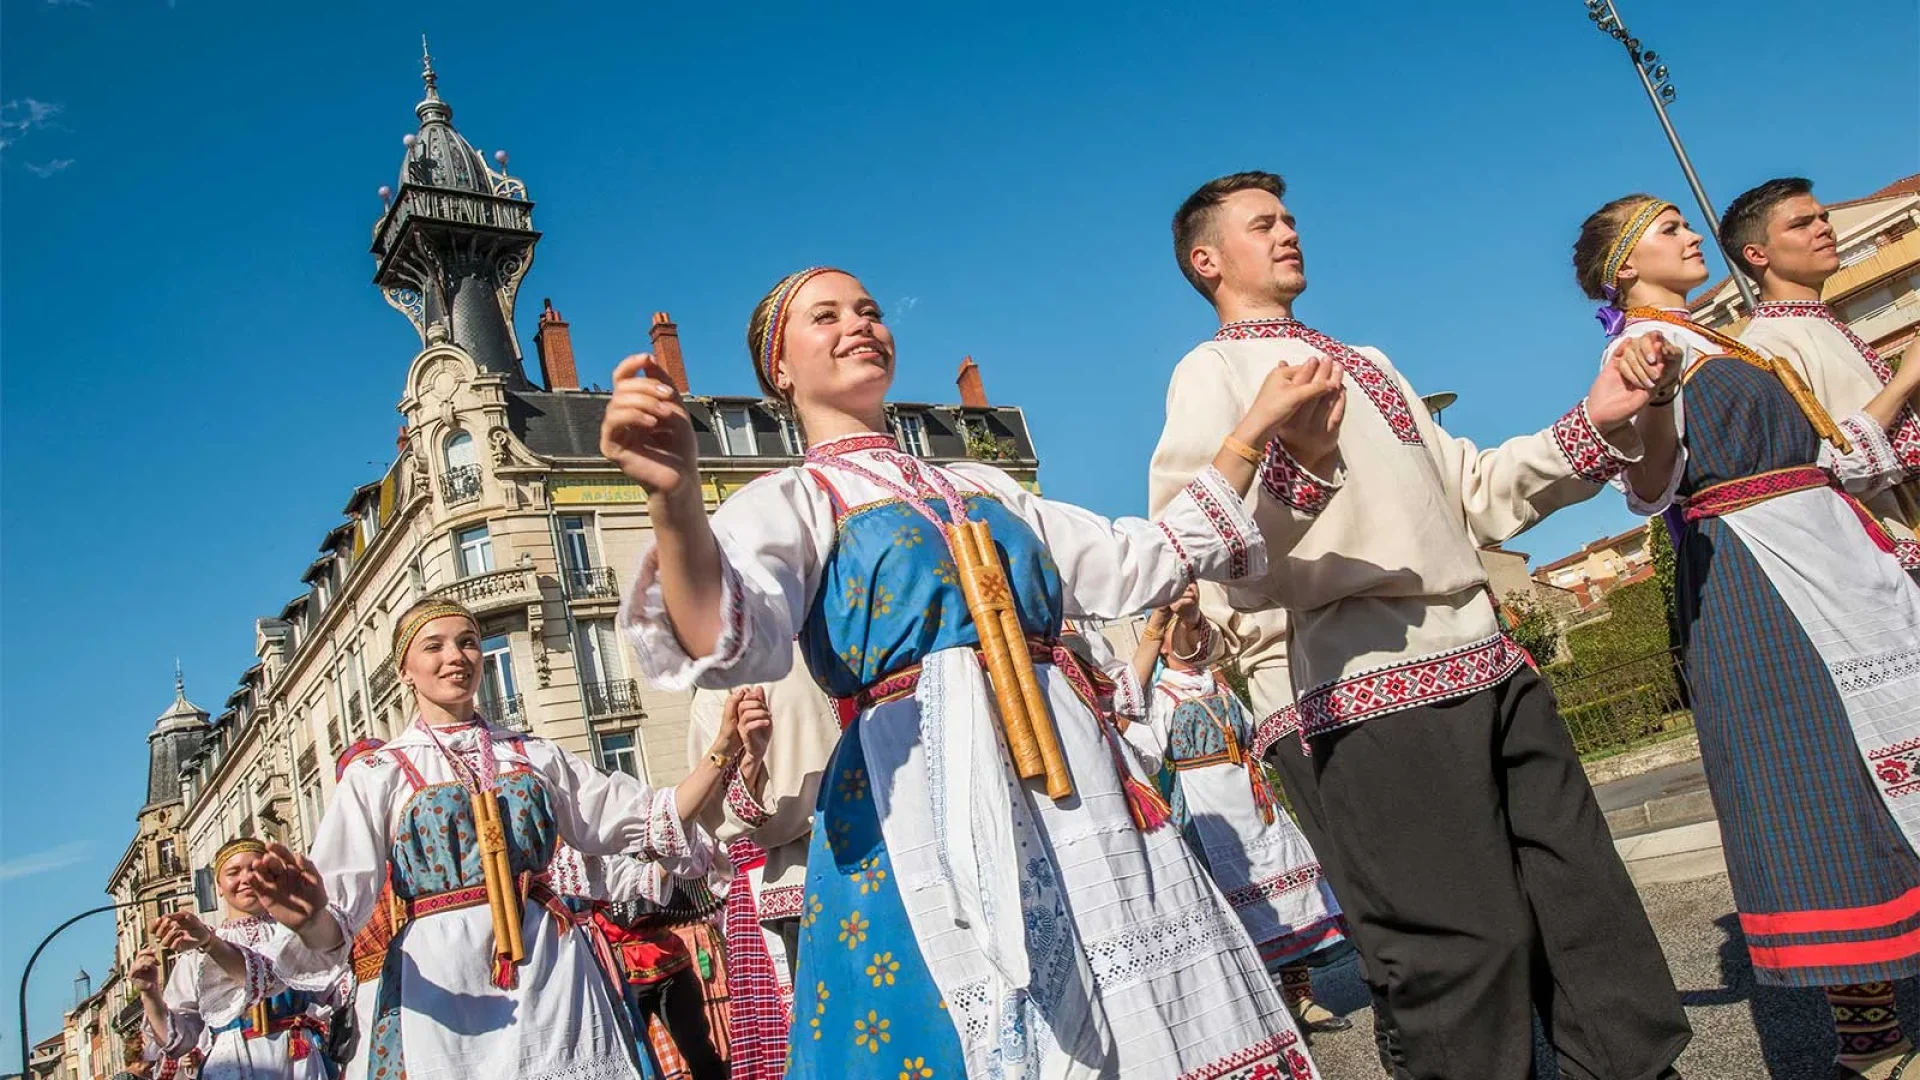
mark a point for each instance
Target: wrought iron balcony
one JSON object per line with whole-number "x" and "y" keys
{"x": 496, "y": 590}
{"x": 617, "y": 697}
{"x": 460, "y": 484}
{"x": 509, "y": 711}
{"x": 591, "y": 583}
{"x": 384, "y": 678}
{"x": 356, "y": 713}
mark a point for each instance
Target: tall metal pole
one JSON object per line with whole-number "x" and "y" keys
{"x": 1653, "y": 79}
{"x": 26, "y": 1048}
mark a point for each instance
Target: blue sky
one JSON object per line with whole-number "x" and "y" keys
{"x": 197, "y": 372}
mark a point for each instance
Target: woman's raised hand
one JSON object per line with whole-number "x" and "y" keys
{"x": 647, "y": 431}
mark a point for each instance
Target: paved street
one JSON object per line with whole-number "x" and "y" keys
{"x": 1741, "y": 1031}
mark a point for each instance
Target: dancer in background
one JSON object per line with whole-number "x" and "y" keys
{"x": 1778, "y": 233}
{"x": 253, "y": 1024}
{"x": 766, "y": 823}
{"x": 1198, "y": 729}
{"x": 1802, "y": 638}
{"x": 482, "y": 981}
{"x": 937, "y": 940}
{"x": 1475, "y": 870}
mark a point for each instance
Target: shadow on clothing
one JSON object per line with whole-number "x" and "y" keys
{"x": 462, "y": 1014}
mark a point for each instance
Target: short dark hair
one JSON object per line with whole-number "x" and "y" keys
{"x": 1193, "y": 222}
{"x": 1745, "y": 221}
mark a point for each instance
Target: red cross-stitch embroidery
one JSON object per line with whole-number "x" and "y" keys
{"x": 1373, "y": 382}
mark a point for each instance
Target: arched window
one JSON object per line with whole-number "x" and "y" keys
{"x": 461, "y": 481}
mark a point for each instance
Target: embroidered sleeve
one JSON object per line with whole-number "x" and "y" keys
{"x": 1591, "y": 457}
{"x": 613, "y": 813}
{"x": 1873, "y": 466}
{"x": 1112, "y": 568}
{"x": 1271, "y": 730}
{"x": 770, "y": 537}
{"x": 1288, "y": 481}
{"x": 181, "y": 997}
{"x": 282, "y": 961}
{"x": 742, "y": 804}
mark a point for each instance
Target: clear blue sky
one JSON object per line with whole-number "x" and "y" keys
{"x": 197, "y": 372}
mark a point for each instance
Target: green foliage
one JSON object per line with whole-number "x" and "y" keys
{"x": 1660, "y": 547}
{"x": 1534, "y": 627}
{"x": 1636, "y": 627}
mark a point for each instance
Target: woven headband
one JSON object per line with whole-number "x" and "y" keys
{"x": 244, "y": 845}
{"x": 404, "y": 634}
{"x": 772, "y": 348}
{"x": 1629, "y": 238}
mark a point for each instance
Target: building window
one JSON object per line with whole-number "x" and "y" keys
{"x": 579, "y": 560}
{"x": 474, "y": 551}
{"x": 599, "y": 651}
{"x": 168, "y": 860}
{"x": 912, "y": 430}
{"x": 736, "y": 432}
{"x": 461, "y": 482}
{"x": 499, "y": 693}
{"x": 790, "y": 438}
{"x": 617, "y": 753}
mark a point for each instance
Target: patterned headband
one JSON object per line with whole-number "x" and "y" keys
{"x": 354, "y": 753}
{"x": 403, "y": 634}
{"x": 1629, "y": 238}
{"x": 772, "y": 348}
{"x": 243, "y": 846}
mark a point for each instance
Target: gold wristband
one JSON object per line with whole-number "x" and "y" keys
{"x": 720, "y": 761}
{"x": 1241, "y": 450}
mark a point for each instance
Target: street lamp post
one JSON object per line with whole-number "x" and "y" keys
{"x": 1653, "y": 79}
{"x": 26, "y": 1048}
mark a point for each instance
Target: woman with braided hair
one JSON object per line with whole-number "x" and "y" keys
{"x": 487, "y": 976}
{"x": 990, "y": 889}
{"x": 1802, "y": 639}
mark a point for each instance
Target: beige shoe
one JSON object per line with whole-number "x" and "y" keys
{"x": 1317, "y": 1019}
{"x": 1897, "y": 1065}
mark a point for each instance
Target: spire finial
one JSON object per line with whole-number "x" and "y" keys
{"x": 179, "y": 680}
{"x": 426, "y": 71}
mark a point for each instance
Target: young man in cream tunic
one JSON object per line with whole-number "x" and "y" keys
{"x": 1448, "y": 805}
{"x": 1778, "y": 233}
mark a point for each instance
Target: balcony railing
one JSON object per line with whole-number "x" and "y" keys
{"x": 384, "y": 678}
{"x": 356, "y": 713}
{"x": 460, "y": 484}
{"x": 617, "y": 697}
{"x": 495, "y": 590}
{"x": 591, "y": 583}
{"x": 509, "y": 711}
{"x": 1896, "y": 316}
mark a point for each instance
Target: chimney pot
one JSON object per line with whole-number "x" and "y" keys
{"x": 554, "y": 341}
{"x": 973, "y": 392}
{"x": 666, "y": 350}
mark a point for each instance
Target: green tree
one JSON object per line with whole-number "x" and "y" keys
{"x": 1534, "y": 627}
{"x": 1660, "y": 547}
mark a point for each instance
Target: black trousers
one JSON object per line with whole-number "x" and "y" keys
{"x": 680, "y": 1002}
{"x": 1481, "y": 886}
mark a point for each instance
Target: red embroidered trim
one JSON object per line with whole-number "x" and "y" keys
{"x": 1378, "y": 387}
{"x": 1908, "y": 552}
{"x": 451, "y": 900}
{"x": 1255, "y": 892}
{"x": 1752, "y": 490}
{"x": 1277, "y": 1047}
{"x": 1404, "y": 685}
{"x": 742, "y": 802}
{"x": 1275, "y": 727}
{"x": 853, "y": 444}
{"x": 1867, "y": 438}
{"x": 1226, "y": 524}
{"x": 1285, "y": 479}
{"x": 1905, "y": 435}
{"x": 1897, "y": 768}
{"x": 785, "y": 902}
{"x": 1179, "y": 552}
{"x": 1591, "y": 458}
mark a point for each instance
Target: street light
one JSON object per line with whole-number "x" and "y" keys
{"x": 1437, "y": 403}
{"x": 26, "y": 1048}
{"x": 1660, "y": 91}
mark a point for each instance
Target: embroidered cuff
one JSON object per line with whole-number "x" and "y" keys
{"x": 782, "y": 902}
{"x": 1209, "y": 530}
{"x": 1287, "y": 480}
{"x": 171, "y": 1043}
{"x": 643, "y": 616}
{"x": 1274, "y": 728}
{"x": 1589, "y": 454}
{"x": 741, "y": 803}
{"x": 682, "y": 848}
{"x": 1905, "y": 438}
{"x": 1873, "y": 464}
{"x": 1640, "y": 507}
{"x": 1129, "y": 699}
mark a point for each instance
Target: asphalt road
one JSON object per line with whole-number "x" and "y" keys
{"x": 1741, "y": 1031}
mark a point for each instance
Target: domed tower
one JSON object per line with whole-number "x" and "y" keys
{"x": 455, "y": 241}
{"x": 175, "y": 737}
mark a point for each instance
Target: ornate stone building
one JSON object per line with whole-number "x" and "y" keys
{"x": 499, "y": 498}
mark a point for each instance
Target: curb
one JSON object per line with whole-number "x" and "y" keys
{"x": 1681, "y": 853}
{"x": 1666, "y": 813}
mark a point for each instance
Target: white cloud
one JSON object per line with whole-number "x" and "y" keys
{"x": 906, "y": 304}
{"x": 41, "y": 862}
{"x": 22, "y": 115}
{"x": 47, "y": 169}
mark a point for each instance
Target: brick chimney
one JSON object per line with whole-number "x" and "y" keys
{"x": 666, "y": 350}
{"x": 973, "y": 392}
{"x": 555, "y": 344}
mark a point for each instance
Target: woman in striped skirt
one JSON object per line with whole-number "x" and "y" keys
{"x": 1803, "y": 646}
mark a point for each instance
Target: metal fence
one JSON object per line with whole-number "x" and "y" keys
{"x": 1640, "y": 701}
